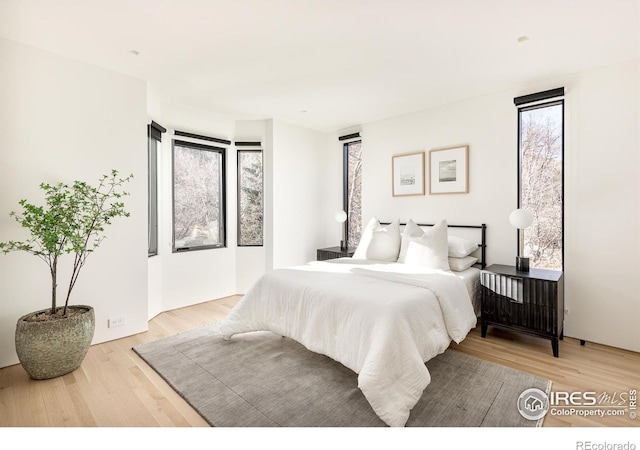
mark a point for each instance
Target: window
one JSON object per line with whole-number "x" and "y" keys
{"x": 541, "y": 179}
{"x": 198, "y": 196}
{"x": 352, "y": 191}
{"x": 154, "y": 134}
{"x": 250, "y": 198}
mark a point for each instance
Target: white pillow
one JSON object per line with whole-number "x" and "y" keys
{"x": 378, "y": 242}
{"x": 365, "y": 239}
{"x": 459, "y": 247}
{"x": 410, "y": 230}
{"x": 460, "y": 264}
{"x": 429, "y": 250}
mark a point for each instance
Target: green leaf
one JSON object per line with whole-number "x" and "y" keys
{"x": 72, "y": 220}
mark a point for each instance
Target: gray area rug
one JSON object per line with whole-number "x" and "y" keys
{"x": 262, "y": 380}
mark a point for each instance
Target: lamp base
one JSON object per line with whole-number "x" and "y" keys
{"x": 522, "y": 264}
{"x": 343, "y": 246}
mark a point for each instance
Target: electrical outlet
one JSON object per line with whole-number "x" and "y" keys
{"x": 117, "y": 321}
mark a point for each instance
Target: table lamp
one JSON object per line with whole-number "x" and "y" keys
{"x": 521, "y": 219}
{"x": 341, "y": 217}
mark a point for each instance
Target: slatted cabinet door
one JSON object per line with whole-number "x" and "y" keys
{"x": 528, "y": 302}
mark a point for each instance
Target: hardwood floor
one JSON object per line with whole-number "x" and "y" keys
{"x": 593, "y": 367}
{"x": 115, "y": 388}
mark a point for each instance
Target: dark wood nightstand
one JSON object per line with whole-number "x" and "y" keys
{"x": 528, "y": 302}
{"x": 333, "y": 253}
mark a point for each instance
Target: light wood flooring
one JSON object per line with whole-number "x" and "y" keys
{"x": 115, "y": 388}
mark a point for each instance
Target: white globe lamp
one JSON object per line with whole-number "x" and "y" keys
{"x": 341, "y": 217}
{"x": 521, "y": 219}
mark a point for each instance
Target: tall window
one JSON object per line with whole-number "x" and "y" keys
{"x": 198, "y": 196}
{"x": 154, "y": 133}
{"x": 541, "y": 180}
{"x": 250, "y": 198}
{"x": 352, "y": 190}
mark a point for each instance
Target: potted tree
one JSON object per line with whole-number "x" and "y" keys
{"x": 54, "y": 341}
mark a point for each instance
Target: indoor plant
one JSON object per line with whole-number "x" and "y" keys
{"x": 54, "y": 341}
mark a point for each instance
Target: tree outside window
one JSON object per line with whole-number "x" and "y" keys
{"x": 198, "y": 196}
{"x": 541, "y": 182}
{"x": 353, "y": 191}
{"x": 250, "y": 198}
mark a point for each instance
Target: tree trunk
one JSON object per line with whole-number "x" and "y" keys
{"x": 54, "y": 284}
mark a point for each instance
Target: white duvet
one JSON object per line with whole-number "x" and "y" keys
{"x": 383, "y": 321}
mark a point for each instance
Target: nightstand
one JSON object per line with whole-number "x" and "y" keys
{"x": 333, "y": 253}
{"x": 528, "y": 302}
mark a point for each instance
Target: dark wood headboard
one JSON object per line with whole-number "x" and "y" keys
{"x": 483, "y": 237}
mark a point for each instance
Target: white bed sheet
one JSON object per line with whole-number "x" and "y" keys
{"x": 381, "y": 320}
{"x": 471, "y": 279}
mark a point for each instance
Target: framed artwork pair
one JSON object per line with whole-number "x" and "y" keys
{"x": 448, "y": 172}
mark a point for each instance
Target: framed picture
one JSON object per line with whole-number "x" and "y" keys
{"x": 449, "y": 170}
{"x": 408, "y": 174}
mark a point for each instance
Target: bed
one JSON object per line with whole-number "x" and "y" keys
{"x": 381, "y": 318}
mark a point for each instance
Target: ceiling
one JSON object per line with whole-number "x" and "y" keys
{"x": 329, "y": 64}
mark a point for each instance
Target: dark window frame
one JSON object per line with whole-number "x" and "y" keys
{"x": 239, "y": 190}
{"x": 545, "y": 99}
{"x": 154, "y": 137}
{"x": 223, "y": 195}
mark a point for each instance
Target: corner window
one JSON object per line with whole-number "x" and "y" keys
{"x": 198, "y": 196}
{"x": 250, "y": 198}
{"x": 541, "y": 181}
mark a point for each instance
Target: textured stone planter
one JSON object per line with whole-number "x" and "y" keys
{"x": 54, "y": 348}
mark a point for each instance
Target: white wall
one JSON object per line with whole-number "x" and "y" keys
{"x": 62, "y": 120}
{"x": 602, "y": 224}
{"x": 602, "y": 201}
{"x": 298, "y": 179}
{"x": 488, "y": 126}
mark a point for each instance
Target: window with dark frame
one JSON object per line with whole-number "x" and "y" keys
{"x": 250, "y": 198}
{"x": 352, "y": 190}
{"x": 199, "y": 210}
{"x": 154, "y": 138}
{"x": 541, "y": 176}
